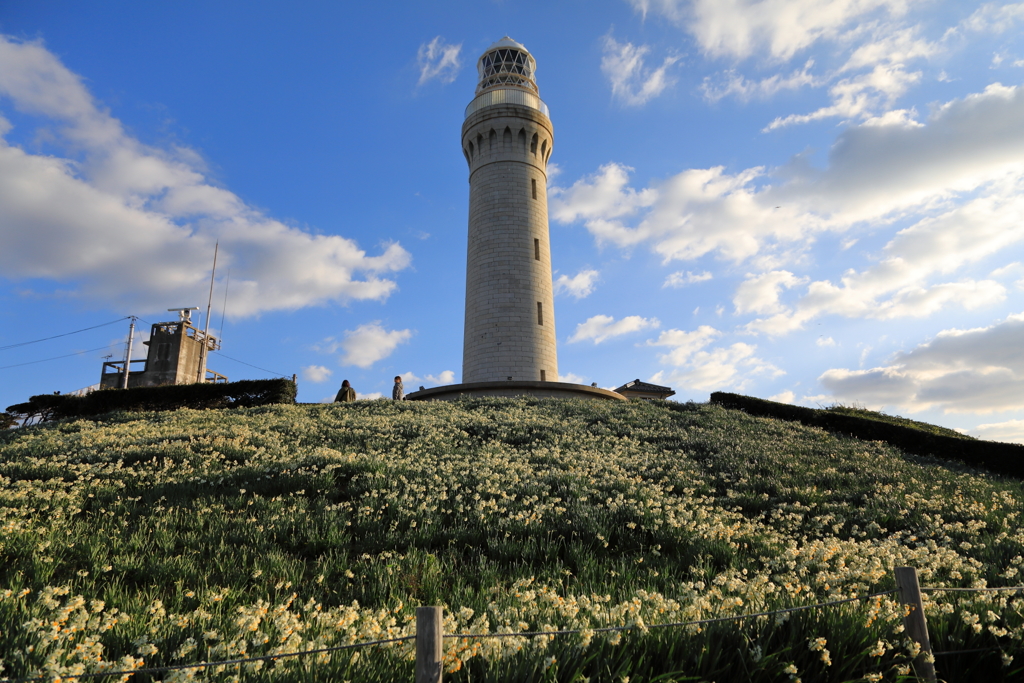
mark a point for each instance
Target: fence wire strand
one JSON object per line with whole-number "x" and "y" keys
{"x": 203, "y": 665}
{"x": 967, "y": 652}
{"x": 521, "y": 634}
{"x": 699, "y": 622}
{"x": 972, "y": 590}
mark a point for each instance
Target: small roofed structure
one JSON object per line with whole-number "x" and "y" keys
{"x": 645, "y": 391}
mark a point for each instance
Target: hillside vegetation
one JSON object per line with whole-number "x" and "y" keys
{"x": 187, "y": 536}
{"x": 897, "y": 420}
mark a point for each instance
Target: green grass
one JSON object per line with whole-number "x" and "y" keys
{"x": 210, "y": 535}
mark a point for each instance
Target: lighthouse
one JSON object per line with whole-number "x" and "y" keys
{"x": 507, "y": 139}
{"x": 509, "y": 343}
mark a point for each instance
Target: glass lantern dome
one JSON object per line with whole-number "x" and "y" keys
{"x": 504, "y": 64}
{"x": 506, "y": 77}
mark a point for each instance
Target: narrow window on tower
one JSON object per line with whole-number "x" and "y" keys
{"x": 533, "y": 184}
{"x": 543, "y": 376}
{"x": 536, "y": 248}
{"x": 540, "y": 313}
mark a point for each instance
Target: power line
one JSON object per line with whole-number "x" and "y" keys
{"x": 57, "y": 336}
{"x": 278, "y": 374}
{"x": 76, "y": 353}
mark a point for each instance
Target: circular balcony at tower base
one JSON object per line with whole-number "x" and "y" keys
{"x": 508, "y": 389}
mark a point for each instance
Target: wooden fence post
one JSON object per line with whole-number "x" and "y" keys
{"x": 914, "y": 623}
{"x": 429, "y": 634}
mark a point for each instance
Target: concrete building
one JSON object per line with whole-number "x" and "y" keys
{"x": 509, "y": 342}
{"x": 175, "y": 356}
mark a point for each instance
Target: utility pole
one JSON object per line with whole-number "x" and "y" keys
{"x": 205, "y": 351}
{"x": 128, "y": 351}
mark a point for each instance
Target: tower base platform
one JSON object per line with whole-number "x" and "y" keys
{"x": 454, "y": 392}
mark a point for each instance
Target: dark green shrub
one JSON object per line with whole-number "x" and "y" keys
{"x": 1004, "y": 458}
{"x": 243, "y": 394}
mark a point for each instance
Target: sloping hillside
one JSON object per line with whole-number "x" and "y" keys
{"x": 212, "y": 535}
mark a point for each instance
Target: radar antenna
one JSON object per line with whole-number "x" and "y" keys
{"x": 184, "y": 314}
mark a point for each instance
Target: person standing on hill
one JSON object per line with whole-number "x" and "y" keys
{"x": 398, "y": 391}
{"x": 346, "y": 394}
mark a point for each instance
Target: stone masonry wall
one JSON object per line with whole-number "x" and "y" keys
{"x": 508, "y": 264}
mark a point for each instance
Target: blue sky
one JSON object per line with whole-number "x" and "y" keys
{"x": 813, "y": 201}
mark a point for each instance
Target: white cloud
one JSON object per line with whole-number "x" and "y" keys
{"x": 602, "y": 327}
{"x": 442, "y": 378}
{"x": 958, "y": 180}
{"x": 760, "y": 294}
{"x": 134, "y": 226}
{"x": 632, "y": 81}
{"x": 877, "y": 45}
{"x": 697, "y": 367}
{"x": 571, "y": 378}
{"x": 316, "y": 373}
{"x": 726, "y": 367}
{"x": 900, "y": 284}
{"x": 979, "y": 370}
{"x": 684, "y": 344}
{"x": 1011, "y": 431}
{"x": 682, "y": 278}
{"x": 891, "y": 46}
{"x": 736, "y": 85}
{"x": 784, "y": 397}
{"x": 372, "y": 396}
{"x": 994, "y": 18}
{"x": 777, "y": 28}
{"x": 579, "y": 286}
{"x": 1009, "y": 270}
{"x": 366, "y": 344}
{"x": 553, "y": 170}
{"x": 858, "y": 96}
{"x": 438, "y": 60}
{"x": 602, "y": 200}
{"x": 825, "y": 341}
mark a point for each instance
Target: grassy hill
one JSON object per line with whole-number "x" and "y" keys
{"x": 898, "y": 420}
{"x": 162, "y": 538}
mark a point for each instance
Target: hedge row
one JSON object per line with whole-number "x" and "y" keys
{"x": 1004, "y": 458}
{"x": 243, "y": 394}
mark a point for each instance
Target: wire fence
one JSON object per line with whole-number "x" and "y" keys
{"x": 522, "y": 634}
{"x": 698, "y": 622}
{"x": 205, "y": 665}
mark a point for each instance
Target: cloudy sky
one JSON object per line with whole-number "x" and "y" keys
{"x": 815, "y": 201}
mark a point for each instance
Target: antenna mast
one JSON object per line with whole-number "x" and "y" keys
{"x": 128, "y": 351}
{"x": 204, "y": 352}
{"x": 224, "y": 308}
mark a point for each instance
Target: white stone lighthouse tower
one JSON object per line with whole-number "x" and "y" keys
{"x": 507, "y": 138}
{"x": 509, "y": 341}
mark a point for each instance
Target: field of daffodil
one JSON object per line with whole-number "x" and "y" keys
{"x": 146, "y": 540}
